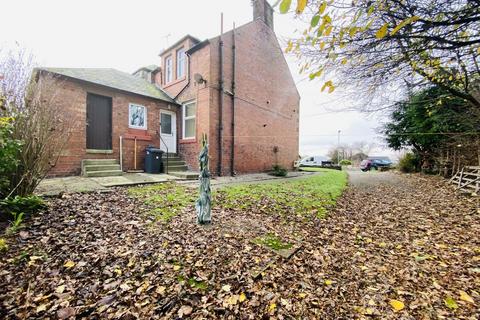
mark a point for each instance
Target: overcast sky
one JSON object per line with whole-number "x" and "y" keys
{"x": 125, "y": 35}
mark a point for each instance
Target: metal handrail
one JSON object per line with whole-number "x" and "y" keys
{"x": 166, "y": 147}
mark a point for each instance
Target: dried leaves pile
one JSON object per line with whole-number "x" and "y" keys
{"x": 410, "y": 252}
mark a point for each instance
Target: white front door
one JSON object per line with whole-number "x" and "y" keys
{"x": 168, "y": 131}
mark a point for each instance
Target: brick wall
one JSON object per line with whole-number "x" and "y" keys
{"x": 71, "y": 95}
{"x": 266, "y": 104}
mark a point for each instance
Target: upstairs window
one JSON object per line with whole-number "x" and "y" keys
{"x": 189, "y": 114}
{"x": 181, "y": 63}
{"x": 168, "y": 69}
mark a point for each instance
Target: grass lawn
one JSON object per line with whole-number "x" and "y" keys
{"x": 309, "y": 195}
{"x": 313, "y": 194}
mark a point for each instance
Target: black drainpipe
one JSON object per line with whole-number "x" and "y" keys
{"x": 220, "y": 104}
{"x": 232, "y": 155}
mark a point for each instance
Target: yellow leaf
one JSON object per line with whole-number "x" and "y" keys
{"x": 465, "y": 297}
{"x": 404, "y": 23}
{"x": 322, "y": 8}
{"x": 450, "y": 303}
{"x": 118, "y": 271}
{"x": 382, "y": 32}
{"x": 327, "y": 84}
{"x": 322, "y": 45}
{"x": 397, "y": 305}
{"x": 301, "y": 4}
{"x": 242, "y": 297}
{"x": 69, "y": 264}
{"x": 289, "y": 46}
{"x": 60, "y": 289}
{"x": 302, "y": 295}
{"x": 176, "y": 267}
{"x": 285, "y": 6}
{"x": 328, "y": 31}
{"x": 272, "y": 307}
{"x": 344, "y": 61}
{"x": 328, "y": 282}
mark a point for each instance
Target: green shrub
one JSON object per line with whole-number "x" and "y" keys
{"x": 409, "y": 163}
{"x": 345, "y": 162}
{"x": 279, "y": 171}
{"x": 9, "y": 148}
{"x": 18, "y": 204}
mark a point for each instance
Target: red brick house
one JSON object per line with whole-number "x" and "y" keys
{"x": 236, "y": 88}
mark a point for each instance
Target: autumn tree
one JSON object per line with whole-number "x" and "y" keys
{"x": 385, "y": 48}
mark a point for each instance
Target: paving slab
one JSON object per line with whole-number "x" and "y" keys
{"x": 56, "y": 186}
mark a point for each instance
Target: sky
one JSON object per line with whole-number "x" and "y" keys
{"x": 126, "y": 35}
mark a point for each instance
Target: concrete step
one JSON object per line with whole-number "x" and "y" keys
{"x": 176, "y": 168}
{"x": 104, "y": 173}
{"x": 96, "y": 162}
{"x": 187, "y": 175}
{"x": 101, "y": 167}
{"x": 173, "y": 162}
{"x": 171, "y": 159}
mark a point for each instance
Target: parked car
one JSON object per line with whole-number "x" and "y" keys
{"x": 375, "y": 163}
{"x": 315, "y": 161}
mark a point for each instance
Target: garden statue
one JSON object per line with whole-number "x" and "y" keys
{"x": 204, "y": 201}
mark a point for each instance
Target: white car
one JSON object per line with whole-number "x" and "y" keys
{"x": 315, "y": 161}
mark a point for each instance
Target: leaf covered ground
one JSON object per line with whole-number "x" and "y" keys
{"x": 406, "y": 251}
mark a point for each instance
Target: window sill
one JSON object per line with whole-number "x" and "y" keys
{"x": 190, "y": 140}
{"x": 99, "y": 151}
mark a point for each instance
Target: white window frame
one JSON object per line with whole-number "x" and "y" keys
{"x": 181, "y": 61}
{"x": 145, "y": 120}
{"x": 168, "y": 69}
{"x": 184, "y": 118}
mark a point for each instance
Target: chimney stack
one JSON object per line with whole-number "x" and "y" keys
{"x": 263, "y": 10}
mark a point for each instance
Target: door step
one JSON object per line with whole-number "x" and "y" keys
{"x": 101, "y": 168}
{"x": 186, "y": 175}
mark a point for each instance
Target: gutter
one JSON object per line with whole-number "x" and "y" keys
{"x": 220, "y": 104}
{"x": 188, "y": 81}
{"x": 232, "y": 147}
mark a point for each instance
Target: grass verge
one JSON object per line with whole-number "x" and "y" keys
{"x": 313, "y": 194}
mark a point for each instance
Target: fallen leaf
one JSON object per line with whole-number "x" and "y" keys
{"x": 60, "y": 289}
{"x": 184, "y": 311}
{"x": 66, "y": 313}
{"x": 242, "y": 297}
{"x": 466, "y": 297}
{"x": 69, "y": 264}
{"x": 41, "y": 308}
{"x": 272, "y": 307}
{"x": 451, "y": 303}
{"x": 397, "y": 305}
{"x": 328, "y": 282}
{"x": 226, "y": 288}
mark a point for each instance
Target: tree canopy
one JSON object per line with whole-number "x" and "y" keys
{"x": 385, "y": 45}
{"x": 431, "y": 122}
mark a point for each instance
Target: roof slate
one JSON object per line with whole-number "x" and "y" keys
{"x": 114, "y": 79}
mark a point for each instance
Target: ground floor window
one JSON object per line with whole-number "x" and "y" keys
{"x": 137, "y": 116}
{"x": 189, "y": 115}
